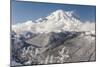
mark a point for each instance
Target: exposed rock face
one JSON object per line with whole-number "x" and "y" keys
{"x": 54, "y": 48}
{"x": 58, "y": 38}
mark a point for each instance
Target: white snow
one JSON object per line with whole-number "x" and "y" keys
{"x": 57, "y": 21}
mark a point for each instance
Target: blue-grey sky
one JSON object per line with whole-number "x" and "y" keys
{"x": 24, "y": 11}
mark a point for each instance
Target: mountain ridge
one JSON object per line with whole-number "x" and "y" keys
{"x": 57, "y": 38}
{"x": 57, "y": 21}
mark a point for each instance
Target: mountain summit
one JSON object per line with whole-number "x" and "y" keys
{"x": 60, "y": 37}
{"x": 56, "y": 21}
{"x": 60, "y": 14}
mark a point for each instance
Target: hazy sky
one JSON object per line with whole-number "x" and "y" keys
{"x": 24, "y": 11}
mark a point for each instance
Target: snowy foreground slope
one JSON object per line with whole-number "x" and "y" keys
{"x": 58, "y": 38}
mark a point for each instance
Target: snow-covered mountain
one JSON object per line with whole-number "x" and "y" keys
{"x": 45, "y": 48}
{"x": 57, "y": 21}
{"x": 58, "y": 38}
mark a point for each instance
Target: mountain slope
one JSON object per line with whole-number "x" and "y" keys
{"x": 54, "y": 48}
{"x": 57, "y": 21}
{"x": 58, "y": 38}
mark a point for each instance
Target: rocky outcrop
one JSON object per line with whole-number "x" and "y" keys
{"x": 53, "y": 47}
